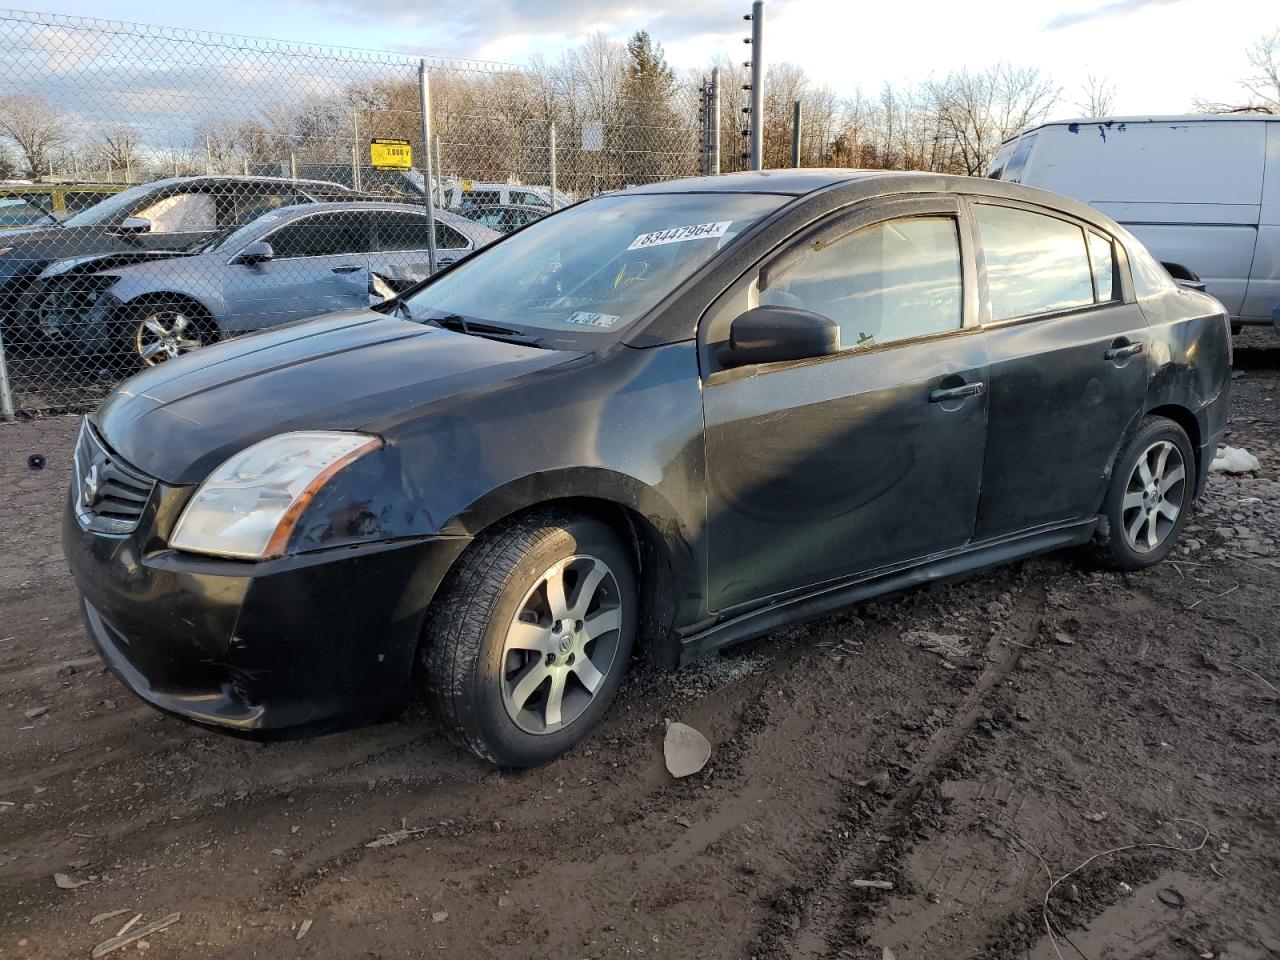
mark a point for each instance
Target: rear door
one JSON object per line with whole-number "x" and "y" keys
{"x": 400, "y": 253}
{"x": 1067, "y": 346}
{"x": 1263, "y": 295}
{"x": 819, "y": 470}
{"x": 321, "y": 264}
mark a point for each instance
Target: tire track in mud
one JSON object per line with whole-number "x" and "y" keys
{"x": 822, "y": 915}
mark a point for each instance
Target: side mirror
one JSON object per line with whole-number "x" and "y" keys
{"x": 257, "y": 252}
{"x": 135, "y": 225}
{"x": 770, "y": 334}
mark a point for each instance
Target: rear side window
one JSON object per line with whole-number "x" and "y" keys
{"x": 402, "y": 231}
{"x": 1035, "y": 263}
{"x": 890, "y": 281}
{"x": 78, "y": 200}
{"x": 324, "y": 235}
{"x": 1104, "y": 268}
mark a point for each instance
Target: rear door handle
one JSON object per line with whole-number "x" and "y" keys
{"x": 1123, "y": 351}
{"x": 347, "y": 268}
{"x": 943, "y": 394}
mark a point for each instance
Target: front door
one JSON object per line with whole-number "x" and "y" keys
{"x": 825, "y": 469}
{"x": 321, "y": 264}
{"x": 1068, "y": 367}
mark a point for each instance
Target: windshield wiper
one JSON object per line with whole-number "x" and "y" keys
{"x": 490, "y": 331}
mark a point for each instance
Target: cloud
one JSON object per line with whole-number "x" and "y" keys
{"x": 1116, "y": 8}
{"x": 471, "y": 27}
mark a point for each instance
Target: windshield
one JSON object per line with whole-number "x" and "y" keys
{"x": 594, "y": 269}
{"x": 107, "y": 210}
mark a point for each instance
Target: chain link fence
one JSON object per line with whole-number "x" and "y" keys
{"x": 163, "y": 189}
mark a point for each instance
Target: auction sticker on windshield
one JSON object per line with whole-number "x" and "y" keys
{"x": 696, "y": 231}
{"x": 584, "y": 318}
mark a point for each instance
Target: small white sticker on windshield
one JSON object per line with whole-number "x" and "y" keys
{"x": 696, "y": 231}
{"x": 585, "y": 319}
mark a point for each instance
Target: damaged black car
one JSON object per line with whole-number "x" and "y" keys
{"x": 659, "y": 421}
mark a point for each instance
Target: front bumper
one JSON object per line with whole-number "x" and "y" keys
{"x": 307, "y": 642}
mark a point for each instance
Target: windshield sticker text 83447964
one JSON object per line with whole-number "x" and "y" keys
{"x": 584, "y": 318}
{"x": 696, "y": 231}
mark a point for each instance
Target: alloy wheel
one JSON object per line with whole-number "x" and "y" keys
{"x": 561, "y": 645}
{"x": 165, "y": 334}
{"x": 1154, "y": 496}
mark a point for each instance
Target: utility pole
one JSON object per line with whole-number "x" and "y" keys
{"x": 795, "y": 134}
{"x": 714, "y": 158}
{"x": 755, "y": 112}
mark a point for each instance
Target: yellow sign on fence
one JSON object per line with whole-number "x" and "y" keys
{"x": 391, "y": 154}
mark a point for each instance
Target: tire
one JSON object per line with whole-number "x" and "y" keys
{"x": 495, "y": 698}
{"x": 160, "y": 330}
{"x": 1147, "y": 487}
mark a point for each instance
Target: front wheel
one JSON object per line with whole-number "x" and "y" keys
{"x": 531, "y": 635}
{"x": 1149, "y": 496}
{"x": 156, "y": 332}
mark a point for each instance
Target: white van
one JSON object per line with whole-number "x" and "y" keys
{"x": 467, "y": 193}
{"x": 1202, "y": 192}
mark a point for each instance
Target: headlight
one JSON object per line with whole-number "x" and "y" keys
{"x": 248, "y": 507}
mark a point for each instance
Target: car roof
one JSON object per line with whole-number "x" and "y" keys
{"x": 244, "y": 178}
{"x": 353, "y": 206}
{"x": 1178, "y": 119}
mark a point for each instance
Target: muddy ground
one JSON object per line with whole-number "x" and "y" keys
{"x": 1081, "y": 711}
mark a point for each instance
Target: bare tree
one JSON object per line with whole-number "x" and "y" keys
{"x": 1098, "y": 97}
{"x": 1264, "y": 83}
{"x": 35, "y": 128}
{"x": 116, "y": 151}
{"x": 977, "y": 111}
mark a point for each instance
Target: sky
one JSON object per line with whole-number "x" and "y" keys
{"x": 1160, "y": 55}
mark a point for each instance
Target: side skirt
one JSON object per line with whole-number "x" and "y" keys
{"x": 809, "y": 606}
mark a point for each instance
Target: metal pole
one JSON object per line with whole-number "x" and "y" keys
{"x": 551, "y": 146}
{"x": 6, "y": 395}
{"x": 424, "y": 101}
{"x": 355, "y": 150}
{"x": 795, "y": 134}
{"x": 293, "y": 164}
{"x": 439, "y": 168}
{"x": 715, "y": 121}
{"x": 757, "y": 85}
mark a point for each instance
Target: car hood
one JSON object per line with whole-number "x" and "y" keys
{"x": 354, "y": 370}
{"x": 105, "y": 261}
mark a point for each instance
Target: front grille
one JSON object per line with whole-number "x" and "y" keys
{"x": 110, "y": 495}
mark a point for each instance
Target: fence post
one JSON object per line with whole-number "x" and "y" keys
{"x": 795, "y": 134}
{"x": 757, "y": 85}
{"x": 6, "y": 395}
{"x": 715, "y": 122}
{"x": 355, "y": 150}
{"x": 551, "y": 147}
{"x": 424, "y": 102}
{"x": 439, "y": 167}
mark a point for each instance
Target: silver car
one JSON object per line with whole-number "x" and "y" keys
{"x": 292, "y": 263}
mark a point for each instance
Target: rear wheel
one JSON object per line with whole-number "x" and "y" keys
{"x": 1149, "y": 496}
{"x": 531, "y": 636}
{"x": 162, "y": 330}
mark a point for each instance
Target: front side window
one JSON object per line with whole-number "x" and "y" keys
{"x": 594, "y": 269}
{"x": 182, "y": 213}
{"x": 890, "y": 281}
{"x": 324, "y": 235}
{"x": 1035, "y": 263}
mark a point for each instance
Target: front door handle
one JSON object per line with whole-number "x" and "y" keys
{"x": 347, "y": 268}
{"x": 943, "y": 394}
{"x": 1123, "y": 350}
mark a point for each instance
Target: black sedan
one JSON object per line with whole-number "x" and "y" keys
{"x": 669, "y": 418}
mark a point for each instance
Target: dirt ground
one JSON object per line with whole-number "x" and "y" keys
{"x": 1077, "y": 712}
